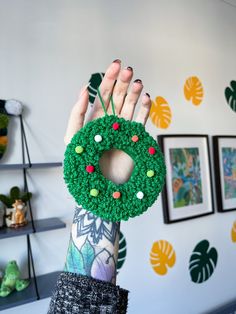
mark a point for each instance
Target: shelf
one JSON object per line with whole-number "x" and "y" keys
{"x": 46, "y": 284}
{"x": 30, "y": 166}
{"x": 41, "y": 225}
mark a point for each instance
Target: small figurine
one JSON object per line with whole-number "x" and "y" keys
{"x": 18, "y": 219}
{"x": 11, "y": 280}
{"x": 15, "y": 207}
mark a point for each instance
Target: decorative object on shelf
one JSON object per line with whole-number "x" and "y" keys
{"x": 193, "y": 90}
{"x": 202, "y": 262}
{"x": 4, "y": 120}
{"x": 2, "y": 214}
{"x": 160, "y": 113}
{"x": 188, "y": 190}
{"x": 15, "y": 207}
{"x": 162, "y": 256}
{"x": 86, "y": 182}
{"x": 7, "y": 108}
{"x": 230, "y": 95}
{"x": 11, "y": 280}
{"x": 225, "y": 172}
{"x": 94, "y": 82}
{"x": 41, "y": 286}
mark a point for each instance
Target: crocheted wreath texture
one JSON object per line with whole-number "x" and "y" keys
{"x": 96, "y": 193}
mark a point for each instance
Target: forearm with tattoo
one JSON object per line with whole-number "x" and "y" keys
{"x": 93, "y": 246}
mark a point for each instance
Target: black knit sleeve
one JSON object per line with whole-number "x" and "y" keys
{"x": 75, "y": 294}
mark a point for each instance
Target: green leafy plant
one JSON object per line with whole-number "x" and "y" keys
{"x": 15, "y": 194}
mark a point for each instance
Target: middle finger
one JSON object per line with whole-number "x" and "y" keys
{"x": 120, "y": 89}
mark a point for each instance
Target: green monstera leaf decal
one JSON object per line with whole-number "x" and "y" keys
{"x": 94, "y": 81}
{"x": 202, "y": 262}
{"x": 122, "y": 252}
{"x": 230, "y": 95}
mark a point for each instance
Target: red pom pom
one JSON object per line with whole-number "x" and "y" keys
{"x": 90, "y": 168}
{"x": 116, "y": 195}
{"x": 151, "y": 150}
{"x": 116, "y": 126}
{"x": 135, "y": 138}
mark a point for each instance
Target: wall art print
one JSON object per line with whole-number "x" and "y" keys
{"x": 230, "y": 95}
{"x": 202, "y": 262}
{"x": 225, "y": 171}
{"x": 193, "y": 90}
{"x": 160, "y": 113}
{"x": 162, "y": 257}
{"x": 188, "y": 190}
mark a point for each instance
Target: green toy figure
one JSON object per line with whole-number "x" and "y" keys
{"x": 11, "y": 280}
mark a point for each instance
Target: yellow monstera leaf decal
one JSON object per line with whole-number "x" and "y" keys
{"x": 193, "y": 90}
{"x": 162, "y": 256}
{"x": 233, "y": 232}
{"x": 160, "y": 113}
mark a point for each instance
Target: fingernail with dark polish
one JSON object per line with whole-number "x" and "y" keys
{"x": 147, "y": 95}
{"x": 138, "y": 81}
{"x": 117, "y": 61}
{"x": 129, "y": 68}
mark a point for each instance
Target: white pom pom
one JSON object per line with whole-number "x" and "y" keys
{"x": 13, "y": 107}
{"x": 98, "y": 138}
{"x": 140, "y": 195}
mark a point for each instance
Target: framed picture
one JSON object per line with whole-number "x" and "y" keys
{"x": 188, "y": 190}
{"x": 225, "y": 172}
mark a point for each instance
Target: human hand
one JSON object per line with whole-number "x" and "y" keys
{"x": 115, "y": 164}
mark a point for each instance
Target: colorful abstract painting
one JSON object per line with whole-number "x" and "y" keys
{"x": 229, "y": 168}
{"x": 186, "y": 176}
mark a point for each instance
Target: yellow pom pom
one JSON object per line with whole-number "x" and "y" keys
{"x": 94, "y": 192}
{"x": 79, "y": 149}
{"x": 150, "y": 173}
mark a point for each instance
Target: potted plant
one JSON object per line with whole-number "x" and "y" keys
{"x": 15, "y": 207}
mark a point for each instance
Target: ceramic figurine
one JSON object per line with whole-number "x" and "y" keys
{"x": 19, "y": 213}
{"x": 11, "y": 280}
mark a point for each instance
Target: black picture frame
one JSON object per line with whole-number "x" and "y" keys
{"x": 224, "y": 185}
{"x": 196, "y": 145}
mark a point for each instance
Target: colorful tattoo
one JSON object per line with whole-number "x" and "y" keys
{"x": 93, "y": 246}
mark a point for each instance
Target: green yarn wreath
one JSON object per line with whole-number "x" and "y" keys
{"x": 92, "y": 190}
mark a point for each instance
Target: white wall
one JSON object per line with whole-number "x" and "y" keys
{"x": 48, "y": 49}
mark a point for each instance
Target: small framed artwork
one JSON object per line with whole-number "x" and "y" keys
{"x": 225, "y": 172}
{"x": 188, "y": 190}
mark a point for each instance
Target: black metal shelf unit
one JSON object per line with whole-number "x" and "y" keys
{"x": 40, "y": 286}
